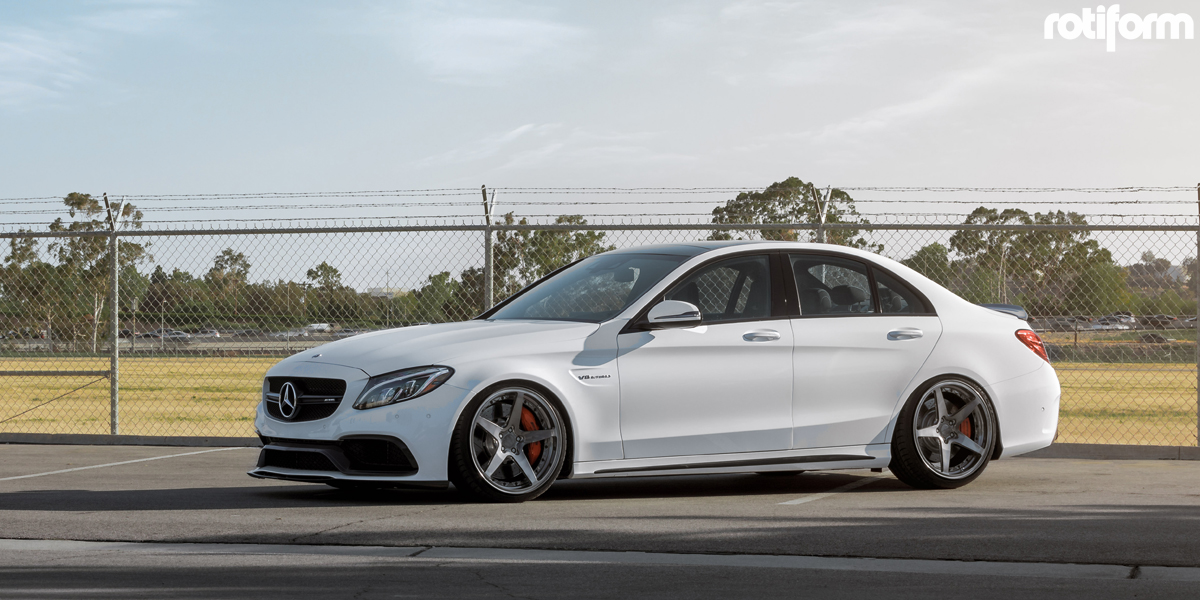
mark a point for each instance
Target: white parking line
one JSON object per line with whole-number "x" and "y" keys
{"x": 125, "y": 462}
{"x": 837, "y": 490}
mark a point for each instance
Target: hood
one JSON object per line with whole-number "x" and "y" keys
{"x": 386, "y": 351}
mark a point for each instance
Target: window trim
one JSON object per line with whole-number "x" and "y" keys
{"x": 779, "y": 301}
{"x": 793, "y": 293}
{"x": 924, "y": 300}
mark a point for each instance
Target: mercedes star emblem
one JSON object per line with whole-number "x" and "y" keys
{"x": 289, "y": 401}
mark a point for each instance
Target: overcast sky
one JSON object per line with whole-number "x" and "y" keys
{"x": 167, "y": 97}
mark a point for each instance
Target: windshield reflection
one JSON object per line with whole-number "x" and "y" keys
{"x": 594, "y": 290}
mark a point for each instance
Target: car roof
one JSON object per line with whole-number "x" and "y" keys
{"x": 685, "y": 248}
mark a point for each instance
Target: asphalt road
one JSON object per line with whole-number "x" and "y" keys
{"x": 1061, "y": 527}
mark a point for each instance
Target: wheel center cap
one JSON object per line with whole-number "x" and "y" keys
{"x": 508, "y": 440}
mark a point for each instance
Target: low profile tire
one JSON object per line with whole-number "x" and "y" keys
{"x": 509, "y": 445}
{"x": 944, "y": 436}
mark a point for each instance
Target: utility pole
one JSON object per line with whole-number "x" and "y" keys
{"x": 823, "y": 207}
{"x": 114, "y": 300}
{"x": 487, "y": 248}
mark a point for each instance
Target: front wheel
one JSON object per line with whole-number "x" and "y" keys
{"x": 509, "y": 445}
{"x": 944, "y": 436}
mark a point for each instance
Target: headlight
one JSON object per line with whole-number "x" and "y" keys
{"x": 399, "y": 386}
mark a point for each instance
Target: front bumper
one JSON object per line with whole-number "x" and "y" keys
{"x": 368, "y": 459}
{"x": 422, "y": 426}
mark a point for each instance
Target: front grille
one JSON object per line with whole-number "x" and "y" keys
{"x": 319, "y": 398}
{"x": 291, "y": 459}
{"x": 377, "y": 455}
{"x": 365, "y": 455}
{"x": 308, "y": 412}
{"x": 313, "y": 386}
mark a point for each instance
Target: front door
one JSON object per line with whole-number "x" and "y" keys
{"x": 722, "y": 387}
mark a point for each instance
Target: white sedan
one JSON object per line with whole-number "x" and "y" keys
{"x": 705, "y": 357}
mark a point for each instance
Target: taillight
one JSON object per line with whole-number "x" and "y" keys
{"x": 1033, "y": 342}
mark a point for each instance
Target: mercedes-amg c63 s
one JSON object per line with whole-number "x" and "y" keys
{"x": 707, "y": 357}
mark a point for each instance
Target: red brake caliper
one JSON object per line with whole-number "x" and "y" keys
{"x": 965, "y": 427}
{"x": 529, "y": 423}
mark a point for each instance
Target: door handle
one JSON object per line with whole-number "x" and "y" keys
{"x": 762, "y": 335}
{"x": 907, "y": 333}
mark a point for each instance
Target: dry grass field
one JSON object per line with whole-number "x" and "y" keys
{"x": 205, "y": 396}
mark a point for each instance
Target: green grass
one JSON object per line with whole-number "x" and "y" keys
{"x": 1110, "y": 403}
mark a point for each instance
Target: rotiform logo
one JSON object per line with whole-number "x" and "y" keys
{"x": 1107, "y": 24}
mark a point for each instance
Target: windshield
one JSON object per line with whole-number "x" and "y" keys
{"x": 595, "y": 289}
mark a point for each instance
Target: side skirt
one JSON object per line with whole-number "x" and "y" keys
{"x": 852, "y": 457}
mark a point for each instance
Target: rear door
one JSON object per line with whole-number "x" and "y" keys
{"x": 860, "y": 338}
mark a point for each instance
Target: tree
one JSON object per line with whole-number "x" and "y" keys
{"x": 1152, "y": 273}
{"x": 1100, "y": 289}
{"x": 932, "y": 261}
{"x": 229, "y": 267}
{"x": 84, "y": 262}
{"x": 433, "y": 297}
{"x": 227, "y": 276}
{"x": 1042, "y": 262}
{"x": 325, "y": 276}
{"x": 793, "y": 201}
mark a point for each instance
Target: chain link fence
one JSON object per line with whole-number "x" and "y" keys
{"x": 201, "y": 315}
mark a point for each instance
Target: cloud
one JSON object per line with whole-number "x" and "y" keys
{"x": 40, "y": 65}
{"x": 485, "y": 147}
{"x": 470, "y": 49}
{"x": 134, "y": 17}
{"x": 532, "y": 146}
{"x": 35, "y": 68}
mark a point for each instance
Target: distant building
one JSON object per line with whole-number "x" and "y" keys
{"x": 388, "y": 293}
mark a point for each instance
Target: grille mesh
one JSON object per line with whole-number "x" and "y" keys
{"x": 376, "y": 455}
{"x": 292, "y": 459}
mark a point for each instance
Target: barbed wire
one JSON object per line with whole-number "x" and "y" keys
{"x": 243, "y": 207}
{"x": 1027, "y": 190}
{"x": 463, "y": 191}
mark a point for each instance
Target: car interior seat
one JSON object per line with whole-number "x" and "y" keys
{"x": 845, "y": 297}
{"x": 815, "y": 301}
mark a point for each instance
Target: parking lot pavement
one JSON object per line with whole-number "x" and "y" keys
{"x": 1133, "y": 513}
{"x": 40, "y": 569}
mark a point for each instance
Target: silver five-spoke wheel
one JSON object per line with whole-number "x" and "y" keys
{"x": 514, "y": 443}
{"x": 945, "y": 435}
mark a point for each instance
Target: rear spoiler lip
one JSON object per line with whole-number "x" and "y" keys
{"x": 1009, "y": 309}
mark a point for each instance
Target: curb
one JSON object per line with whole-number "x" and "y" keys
{"x": 1117, "y": 452}
{"x": 128, "y": 440}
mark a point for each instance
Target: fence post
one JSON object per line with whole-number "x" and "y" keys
{"x": 823, "y": 206}
{"x": 114, "y": 302}
{"x": 1197, "y": 330}
{"x": 487, "y": 251}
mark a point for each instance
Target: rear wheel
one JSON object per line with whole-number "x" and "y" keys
{"x": 509, "y": 445}
{"x": 944, "y": 436}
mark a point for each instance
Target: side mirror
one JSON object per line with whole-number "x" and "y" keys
{"x": 673, "y": 313}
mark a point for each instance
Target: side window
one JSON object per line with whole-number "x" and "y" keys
{"x": 831, "y": 286}
{"x": 728, "y": 290}
{"x": 895, "y": 297}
